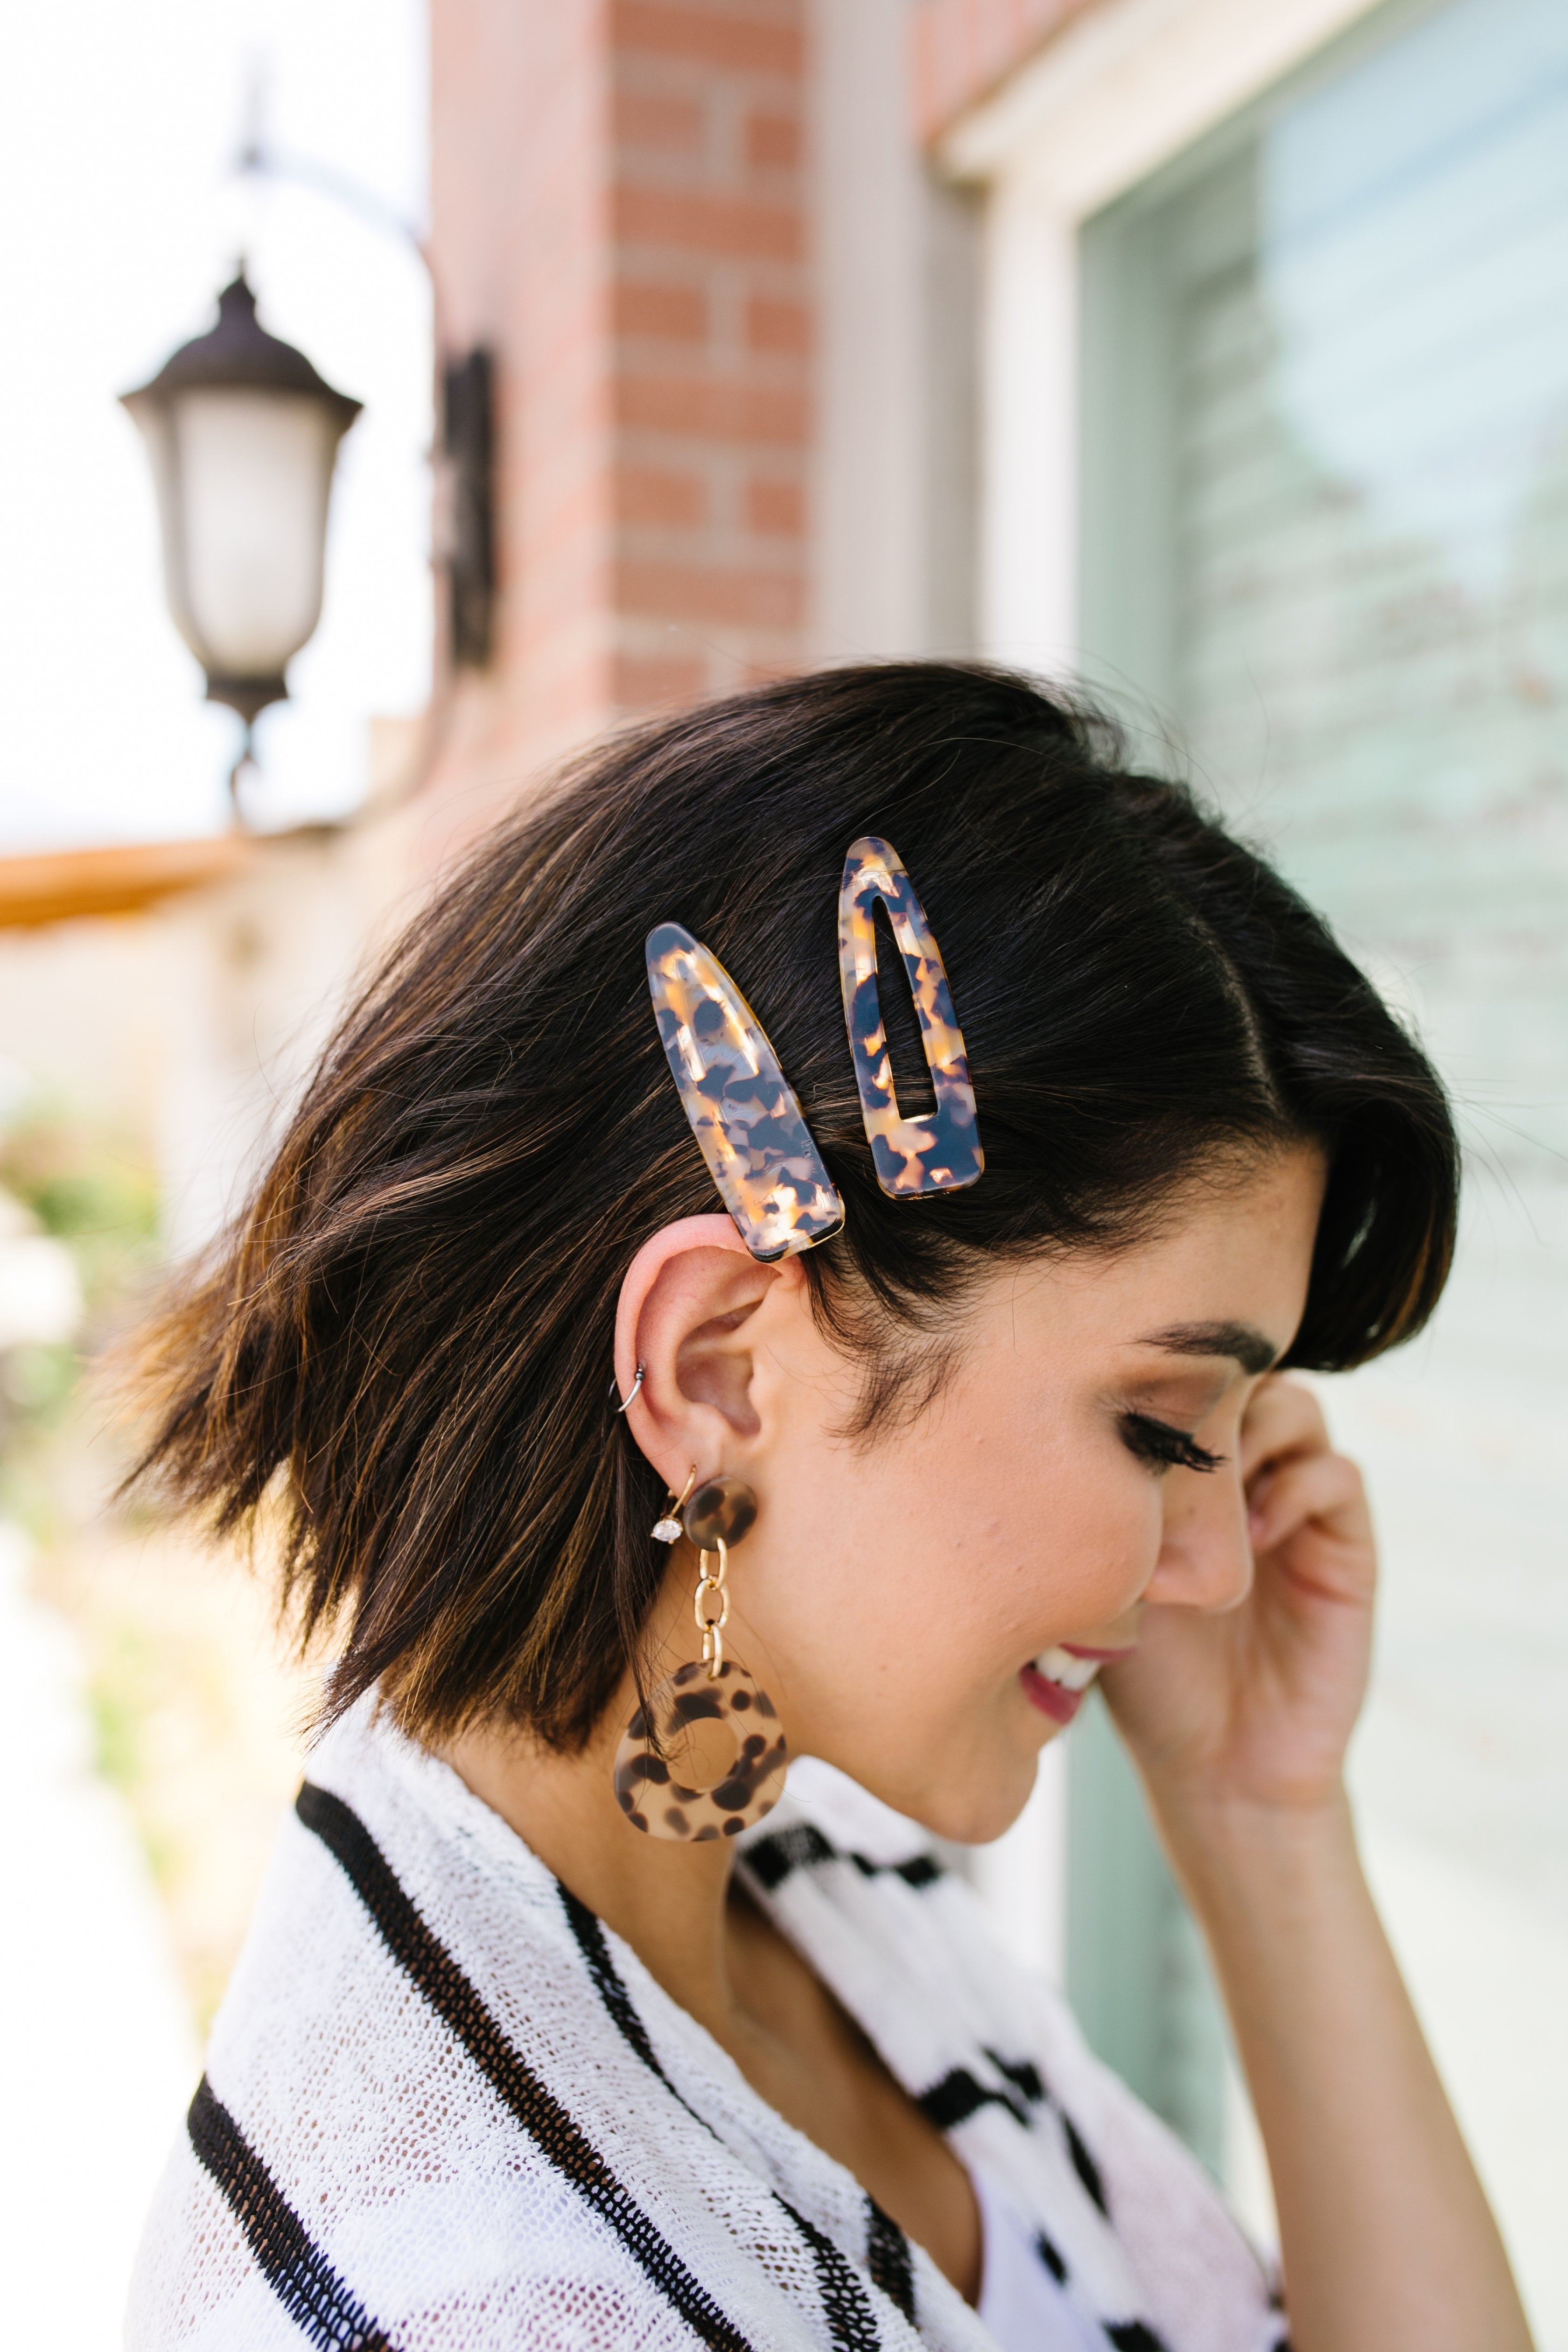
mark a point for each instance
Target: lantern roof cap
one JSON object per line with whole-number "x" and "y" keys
{"x": 238, "y": 355}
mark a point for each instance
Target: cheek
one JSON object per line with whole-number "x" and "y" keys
{"x": 891, "y": 1635}
{"x": 922, "y": 1586}
{"x": 1094, "y": 1541}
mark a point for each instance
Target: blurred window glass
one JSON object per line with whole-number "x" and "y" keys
{"x": 1325, "y": 406}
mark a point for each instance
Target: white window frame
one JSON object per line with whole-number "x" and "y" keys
{"x": 1124, "y": 90}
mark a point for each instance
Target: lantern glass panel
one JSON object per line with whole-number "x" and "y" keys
{"x": 255, "y": 472}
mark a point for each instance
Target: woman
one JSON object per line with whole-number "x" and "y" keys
{"x": 555, "y": 2026}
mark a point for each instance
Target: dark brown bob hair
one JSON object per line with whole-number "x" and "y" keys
{"x": 406, "y": 1335}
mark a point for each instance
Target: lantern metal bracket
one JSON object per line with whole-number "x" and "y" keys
{"x": 468, "y": 439}
{"x": 466, "y": 531}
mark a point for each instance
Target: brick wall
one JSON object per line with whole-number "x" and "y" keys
{"x": 713, "y": 321}
{"x": 962, "y": 48}
{"x": 518, "y": 247}
{"x": 620, "y": 207}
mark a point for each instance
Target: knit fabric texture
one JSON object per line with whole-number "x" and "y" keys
{"x": 447, "y": 2110}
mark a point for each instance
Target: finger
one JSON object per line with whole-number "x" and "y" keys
{"x": 1323, "y": 1487}
{"x": 1306, "y": 1486}
{"x": 1283, "y": 1417}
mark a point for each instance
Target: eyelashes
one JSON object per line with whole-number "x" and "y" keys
{"x": 1163, "y": 1447}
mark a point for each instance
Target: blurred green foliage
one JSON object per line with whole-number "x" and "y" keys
{"x": 92, "y": 1190}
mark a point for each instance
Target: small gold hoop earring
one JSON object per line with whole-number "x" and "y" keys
{"x": 666, "y": 1529}
{"x": 660, "y": 1781}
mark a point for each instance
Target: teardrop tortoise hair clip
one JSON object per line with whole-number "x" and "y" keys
{"x": 742, "y": 1109}
{"x": 941, "y": 1151}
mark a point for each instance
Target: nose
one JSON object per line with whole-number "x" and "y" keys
{"x": 1205, "y": 1554}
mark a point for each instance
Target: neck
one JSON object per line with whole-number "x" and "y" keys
{"x": 668, "y": 1900}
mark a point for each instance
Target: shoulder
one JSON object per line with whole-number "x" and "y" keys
{"x": 382, "y": 2148}
{"x": 445, "y": 2109}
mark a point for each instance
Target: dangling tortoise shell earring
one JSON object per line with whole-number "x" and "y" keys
{"x": 658, "y": 1768}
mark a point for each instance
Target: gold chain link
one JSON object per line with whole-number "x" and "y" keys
{"x": 712, "y": 1628}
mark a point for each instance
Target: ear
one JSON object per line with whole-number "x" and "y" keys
{"x": 688, "y": 1310}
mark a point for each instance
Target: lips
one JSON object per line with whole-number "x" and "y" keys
{"x": 1058, "y": 1678}
{"x": 1073, "y": 1669}
{"x": 1049, "y": 1696}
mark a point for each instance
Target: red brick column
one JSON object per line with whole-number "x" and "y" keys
{"x": 619, "y": 208}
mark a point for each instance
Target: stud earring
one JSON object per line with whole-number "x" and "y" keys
{"x": 661, "y": 1776}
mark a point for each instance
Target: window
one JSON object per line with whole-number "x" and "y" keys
{"x": 1325, "y": 532}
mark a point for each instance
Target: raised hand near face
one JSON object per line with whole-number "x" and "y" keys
{"x": 1253, "y": 1702}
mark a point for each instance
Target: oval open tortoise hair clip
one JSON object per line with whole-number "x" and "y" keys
{"x": 938, "y": 1151}
{"x": 744, "y": 1112}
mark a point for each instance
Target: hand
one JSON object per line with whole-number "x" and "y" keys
{"x": 1255, "y": 1706}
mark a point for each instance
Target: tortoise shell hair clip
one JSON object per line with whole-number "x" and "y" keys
{"x": 743, "y": 1110}
{"x": 939, "y": 1152}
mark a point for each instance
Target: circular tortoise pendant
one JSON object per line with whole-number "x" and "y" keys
{"x": 724, "y": 1756}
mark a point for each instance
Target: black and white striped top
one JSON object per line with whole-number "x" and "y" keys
{"x": 446, "y": 2110}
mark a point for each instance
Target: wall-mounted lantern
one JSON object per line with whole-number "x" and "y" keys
{"x": 243, "y": 438}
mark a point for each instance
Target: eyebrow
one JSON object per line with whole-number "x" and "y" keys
{"x": 1242, "y": 1341}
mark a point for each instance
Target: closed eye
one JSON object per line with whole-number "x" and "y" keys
{"x": 1164, "y": 1446}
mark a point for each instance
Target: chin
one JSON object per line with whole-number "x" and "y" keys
{"x": 981, "y": 1808}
